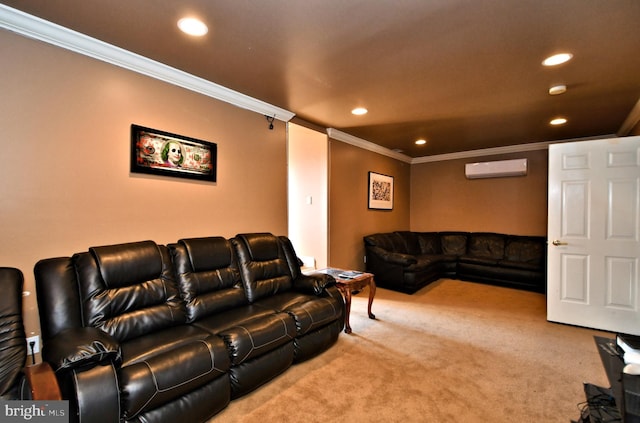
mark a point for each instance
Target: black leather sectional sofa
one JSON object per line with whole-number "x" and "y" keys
{"x": 141, "y": 332}
{"x": 407, "y": 261}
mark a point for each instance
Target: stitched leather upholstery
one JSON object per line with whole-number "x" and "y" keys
{"x": 264, "y": 270}
{"x": 268, "y": 282}
{"x": 146, "y": 332}
{"x": 208, "y": 276}
{"x": 209, "y": 281}
{"x": 128, "y": 292}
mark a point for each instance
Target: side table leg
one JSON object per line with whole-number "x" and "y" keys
{"x": 372, "y": 293}
{"x": 347, "y": 306}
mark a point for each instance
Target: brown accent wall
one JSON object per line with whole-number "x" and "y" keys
{"x": 65, "y": 183}
{"x": 442, "y": 198}
{"x": 349, "y": 216}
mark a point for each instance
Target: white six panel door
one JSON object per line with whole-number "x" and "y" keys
{"x": 594, "y": 234}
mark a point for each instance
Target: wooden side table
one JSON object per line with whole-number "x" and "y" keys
{"x": 347, "y": 285}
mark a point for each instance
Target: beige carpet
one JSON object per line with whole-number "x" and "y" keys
{"x": 453, "y": 352}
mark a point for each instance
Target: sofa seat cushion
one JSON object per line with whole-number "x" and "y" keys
{"x": 171, "y": 373}
{"x": 218, "y": 322}
{"x": 500, "y": 274}
{"x": 484, "y": 261}
{"x": 309, "y": 312}
{"x": 144, "y": 347}
{"x": 258, "y": 336}
{"x": 422, "y": 262}
{"x": 519, "y": 265}
{"x": 426, "y": 261}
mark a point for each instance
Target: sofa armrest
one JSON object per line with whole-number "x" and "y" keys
{"x": 80, "y": 347}
{"x": 42, "y": 382}
{"x": 393, "y": 258}
{"x": 314, "y": 284}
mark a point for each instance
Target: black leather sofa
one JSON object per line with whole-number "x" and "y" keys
{"x": 141, "y": 332}
{"x": 407, "y": 261}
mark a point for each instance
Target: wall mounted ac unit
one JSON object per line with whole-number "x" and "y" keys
{"x": 497, "y": 169}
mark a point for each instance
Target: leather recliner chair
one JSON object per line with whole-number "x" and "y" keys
{"x": 35, "y": 382}
{"x": 272, "y": 279}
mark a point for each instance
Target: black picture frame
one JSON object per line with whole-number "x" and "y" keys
{"x": 163, "y": 153}
{"x": 380, "y": 191}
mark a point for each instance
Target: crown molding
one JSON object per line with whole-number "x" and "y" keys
{"x": 631, "y": 121}
{"x": 366, "y": 145}
{"x": 39, "y": 29}
{"x": 519, "y": 148}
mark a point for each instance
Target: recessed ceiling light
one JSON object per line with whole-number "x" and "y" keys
{"x": 193, "y": 26}
{"x": 558, "y": 89}
{"x": 359, "y": 111}
{"x": 558, "y": 121}
{"x": 421, "y": 142}
{"x": 557, "y": 59}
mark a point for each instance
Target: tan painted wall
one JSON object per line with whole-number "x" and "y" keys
{"x": 65, "y": 183}
{"x": 349, "y": 217}
{"x": 443, "y": 199}
{"x": 64, "y": 180}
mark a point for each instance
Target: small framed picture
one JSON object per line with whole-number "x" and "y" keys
{"x": 163, "y": 153}
{"x": 380, "y": 191}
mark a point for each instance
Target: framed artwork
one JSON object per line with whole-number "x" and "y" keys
{"x": 163, "y": 153}
{"x": 380, "y": 191}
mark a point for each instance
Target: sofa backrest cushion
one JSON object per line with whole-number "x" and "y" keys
{"x": 429, "y": 243}
{"x": 524, "y": 249}
{"x": 486, "y": 245}
{"x": 390, "y": 241}
{"x": 114, "y": 263}
{"x": 453, "y": 243}
{"x": 128, "y": 290}
{"x": 262, "y": 247}
{"x": 263, "y": 265}
{"x": 209, "y": 253}
{"x": 208, "y": 276}
{"x": 411, "y": 242}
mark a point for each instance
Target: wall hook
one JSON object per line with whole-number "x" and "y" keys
{"x": 270, "y": 119}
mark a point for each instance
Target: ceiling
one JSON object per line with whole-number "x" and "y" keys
{"x": 462, "y": 74}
